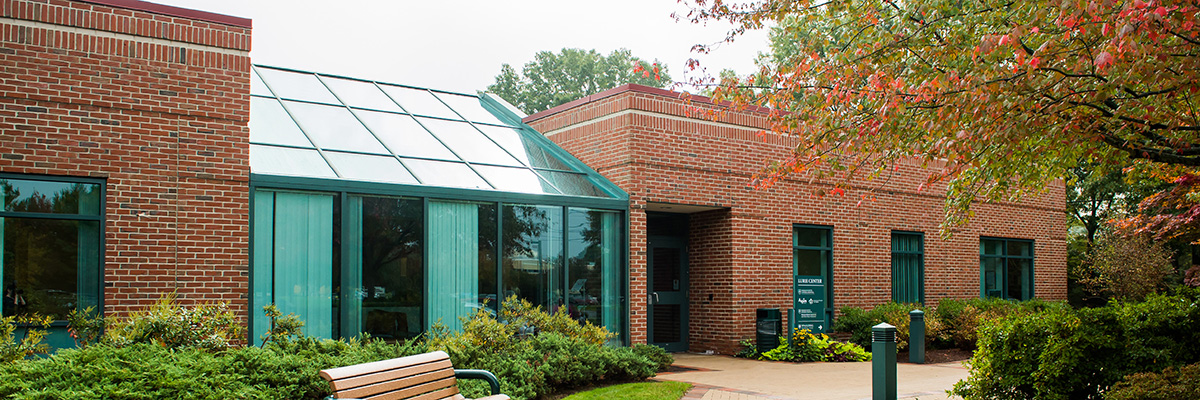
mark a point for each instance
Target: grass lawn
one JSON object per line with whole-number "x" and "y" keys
{"x": 636, "y": 391}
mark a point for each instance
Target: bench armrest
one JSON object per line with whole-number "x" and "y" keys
{"x": 479, "y": 374}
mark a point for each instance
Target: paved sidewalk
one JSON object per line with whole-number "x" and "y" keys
{"x": 728, "y": 378}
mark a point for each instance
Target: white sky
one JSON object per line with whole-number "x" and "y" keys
{"x": 459, "y": 45}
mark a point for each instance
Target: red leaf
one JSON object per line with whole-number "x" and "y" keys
{"x": 1103, "y": 60}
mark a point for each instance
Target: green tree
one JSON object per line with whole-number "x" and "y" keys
{"x": 557, "y": 78}
{"x": 998, "y": 97}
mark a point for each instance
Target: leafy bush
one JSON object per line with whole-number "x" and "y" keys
{"x": 804, "y": 346}
{"x": 23, "y": 336}
{"x": 858, "y": 322}
{"x": 960, "y": 320}
{"x": 1059, "y": 353}
{"x": 1170, "y": 384}
{"x": 655, "y": 354}
{"x": 1128, "y": 267}
{"x": 166, "y": 323}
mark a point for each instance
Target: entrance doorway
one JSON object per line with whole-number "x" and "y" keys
{"x": 667, "y": 281}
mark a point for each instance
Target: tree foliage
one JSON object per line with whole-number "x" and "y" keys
{"x": 1128, "y": 267}
{"x": 997, "y": 97}
{"x": 557, "y": 78}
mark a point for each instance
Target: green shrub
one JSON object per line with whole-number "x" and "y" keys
{"x": 1170, "y": 384}
{"x": 1058, "y": 353}
{"x": 960, "y": 319}
{"x": 858, "y": 322}
{"x": 211, "y": 327}
{"x": 804, "y": 346}
{"x": 23, "y": 336}
{"x": 655, "y": 354}
{"x": 749, "y": 349}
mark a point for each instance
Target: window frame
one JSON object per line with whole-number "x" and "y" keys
{"x": 828, "y": 270}
{"x": 920, "y": 255}
{"x": 1005, "y": 257}
{"x": 100, "y": 218}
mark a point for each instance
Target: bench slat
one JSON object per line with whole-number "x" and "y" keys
{"x": 445, "y": 386}
{"x": 445, "y": 394}
{"x": 381, "y": 376}
{"x": 423, "y": 380}
{"x": 371, "y": 367}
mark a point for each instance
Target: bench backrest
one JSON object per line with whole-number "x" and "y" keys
{"x": 423, "y": 376}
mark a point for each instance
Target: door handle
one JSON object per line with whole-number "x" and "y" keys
{"x": 656, "y": 297}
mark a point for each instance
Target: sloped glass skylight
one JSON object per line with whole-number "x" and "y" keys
{"x": 318, "y": 126}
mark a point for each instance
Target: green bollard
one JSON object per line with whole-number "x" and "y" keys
{"x": 883, "y": 362}
{"x": 916, "y": 337}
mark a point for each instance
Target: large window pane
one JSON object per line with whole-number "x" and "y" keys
{"x": 21, "y": 195}
{"x": 1006, "y": 268}
{"x": 360, "y": 94}
{"x": 364, "y": 167}
{"x": 533, "y": 254}
{"x": 404, "y": 136}
{"x": 524, "y": 149}
{"x": 469, "y": 107}
{"x": 391, "y": 234}
{"x": 515, "y": 179}
{"x": 296, "y": 86}
{"x": 286, "y": 161}
{"x": 594, "y": 268}
{"x": 419, "y": 102}
{"x": 48, "y": 264}
{"x": 908, "y": 276}
{"x": 573, "y": 183}
{"x": 334, "y": 128}
{"x": 468, "y": 142}
{"x": 460, "y": 259}
{"x": 270, "y": 124}
{"x": 449, "y": 174}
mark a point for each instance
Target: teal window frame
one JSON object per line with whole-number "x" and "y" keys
{"x": 1005, "y": 260}
{"x": 58, "y": 337}
{"x": 905, "y": 262}
{"x": 827, "y": 230}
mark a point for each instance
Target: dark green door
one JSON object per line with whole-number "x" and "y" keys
{"x": 668, "y": 303}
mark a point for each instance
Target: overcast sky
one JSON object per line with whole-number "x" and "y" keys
{"x": 459, "y": 45}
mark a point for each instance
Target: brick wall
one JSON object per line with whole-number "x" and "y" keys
{"x": 154, "y": 99}
{"x": 648, "y": 142}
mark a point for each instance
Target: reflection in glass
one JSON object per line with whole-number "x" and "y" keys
{"x": 573, "y": 183}
{"x": 524, "y": 149}
{"x": 809, "y": 262}
{"x": 386, "y": 240}
{"x": 364, "y": 167}
{"x": 360, "y": 94}
{"x": 811, "y": 237}
{"x": 533, "y": 254}
{"x": 21, "y": 195}
{"x": 334, "y": 128}
{"x": 404, "y": 136}
{"x": 1018, "y": 286}
{"x": 270, "y": 124}
{"x": 515, "y": 179}
{"x": 593, "y": 269}
{"x": 469, "y": 107}
{"x": 296, "y": 86}
{"x": 419, "y": 102}
{"x": 285, "y": 161}
{"x": 47, "y": 265}
{"x": 468, "y": 142}
{"x": 448, "y": 174}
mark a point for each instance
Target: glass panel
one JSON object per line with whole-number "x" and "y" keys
{"x": 593, "y": 269}
{"x": 303, "y": 260}
{"x": 1017, "y": 285}
{"x": 257, "y": 86}
{"x": 270, "y": 124}
{"x": 524, "y": 149}
{"x": 469, "y": 107}
{"x": 489, "y": 275}
{"x": 811, "y": 237}
{"x": 468, "y": 142}
{"x": 573, "y": 184}
{"x": 441, "y": 173}
{"x": 1020, "y": 248}
{"x": 334, "y": 128}
{"x": 360, "y": 94}
{"x": 273, "y": 160}
{"x": 390, "y": 238}
{"x": 515, "y": 179}
{"x": 667, "y": 266}
{"x": 296, "y": 86}
{"x": 363, "y": 167}
{"x": 455, "y": 264}
{"x": 404, "y": 136}
{"x": 533, "y": 254}
{"x": 262, "y": 267}
{"x": 419, "y": 102}
{"x": 992, "y": 246}
{"x": 809, "y": 262}
{"x": 992, "y": 276}
{"x": 20, "y": 195}
{"x": 43, "y": 265}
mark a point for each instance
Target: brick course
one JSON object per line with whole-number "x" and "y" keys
{"x": 155, "y": 104}
{"x": 651, "y": 143}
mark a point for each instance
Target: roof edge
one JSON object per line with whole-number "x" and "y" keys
{"x": 633, "y": 87}
{"x": 174, "y": 11}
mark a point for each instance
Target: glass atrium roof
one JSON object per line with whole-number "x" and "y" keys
{"x": 311, "y": 125}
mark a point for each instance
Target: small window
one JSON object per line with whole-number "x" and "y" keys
{"x": 52, "y": 244}
{"x": 1006, "y": 268}
{"x": 908, "y": 267}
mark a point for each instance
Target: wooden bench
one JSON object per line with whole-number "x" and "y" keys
{"x": 426, "y": 376}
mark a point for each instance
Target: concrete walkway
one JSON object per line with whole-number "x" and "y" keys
{"x": 728, "y": 378}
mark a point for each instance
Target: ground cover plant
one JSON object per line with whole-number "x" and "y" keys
{"x": 635, "y": 391}
{"x": 195, "y": 352}
{"x": 805, "y": 346}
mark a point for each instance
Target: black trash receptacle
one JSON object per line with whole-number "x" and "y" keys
{"x": 769, "y": 325}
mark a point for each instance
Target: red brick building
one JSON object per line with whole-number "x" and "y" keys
{"x": 688, "y": 179}
{"x": 145, "y": 107}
